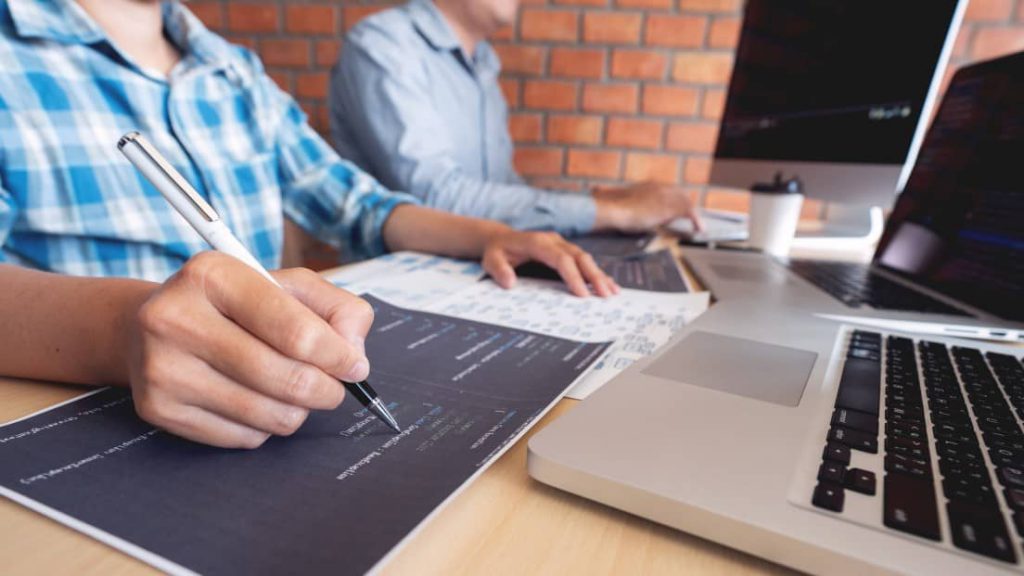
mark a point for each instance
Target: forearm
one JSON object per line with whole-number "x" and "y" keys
{"x": 426, "y": 230}
{"x": 66, "y": 329}
{"x": 520, "y": 206}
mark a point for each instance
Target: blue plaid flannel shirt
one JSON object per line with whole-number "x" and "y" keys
{"x": 71, "y": 203}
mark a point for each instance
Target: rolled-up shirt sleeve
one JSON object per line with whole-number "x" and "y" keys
{"x": 329, "y": 197}
{"x": 381, "y": 99}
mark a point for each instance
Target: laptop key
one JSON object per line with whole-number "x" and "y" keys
{"x": 831, "y": 472}
{"x": 1006, "y": 458}
{"x": 837, "y": 453}
{"x": 1011, "y": 477}
{"x": 904, "y": 431}
{"x": 864, "y": 353}
{"x": 860, "y": 385}
{"x": 909, "y": 443}
{"x": 901, "y": 343}
{"x": 854, "y": 439}
{"x": 897, "y": 463}
{"x": 862, "y": 481}
{"x": 909, "y": 505}
{"x": 856, "y": 420}
{"x": 980, "y": 529}
{"x": 907, "y": 451}
{"x": 964, "y": 488}
{"x": 1011, "y": 441}
{"x": 866, "y": 336}
{"x": 1015, "y": 498}
{"x": 829, "y": 496}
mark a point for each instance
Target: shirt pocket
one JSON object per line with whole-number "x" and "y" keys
{"x": 247, "y": 196}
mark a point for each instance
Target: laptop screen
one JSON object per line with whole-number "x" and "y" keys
{"x": 958, "y": 226}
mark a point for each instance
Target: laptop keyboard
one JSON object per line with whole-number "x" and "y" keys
{"x": 856, "y": 285}
{"x": 934, "y": 432}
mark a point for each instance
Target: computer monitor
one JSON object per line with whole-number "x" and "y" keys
{"x": 958, "y": 226}
{"x": 835, "y": 93}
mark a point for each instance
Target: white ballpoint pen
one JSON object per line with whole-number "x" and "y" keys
{"x": 205, "y": 220}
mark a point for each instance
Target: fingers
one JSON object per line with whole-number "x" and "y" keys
{"x": 176, "y": 381}
{"x": 570, "y": 273}
{"x": 219, "y": 395}
{"x": 603, "y": 284}
{"x": 198, "y": 425}
{"x": 496, "y": 263}
{"x": 159, "y": 404}
{"x": 553, "y": 251}
{"x": 274, "y": 316}
{"x": 349, "y": 315}
{"x": 574, "y": 266}
{"x": 239, "y": 356}
{"x": 692, "y": 213}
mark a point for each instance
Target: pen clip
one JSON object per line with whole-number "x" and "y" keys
{"x": 183, "y": 186}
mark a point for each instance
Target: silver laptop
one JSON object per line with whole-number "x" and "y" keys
{"x": 828, "y": 448}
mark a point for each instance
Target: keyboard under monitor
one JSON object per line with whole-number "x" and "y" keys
{"x": 924, "y": 440}
{"x": 856, "y": 285}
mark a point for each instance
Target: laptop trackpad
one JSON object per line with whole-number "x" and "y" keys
{"x": 739, "y": 366}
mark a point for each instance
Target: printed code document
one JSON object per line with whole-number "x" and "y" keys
{"x": 335, "y": 497}
{"x": 637, "y": 321}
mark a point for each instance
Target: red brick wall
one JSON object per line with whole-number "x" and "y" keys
{"x": 602, "y": 91}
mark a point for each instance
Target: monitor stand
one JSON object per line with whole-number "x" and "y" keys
{"x": 845, "y": 228}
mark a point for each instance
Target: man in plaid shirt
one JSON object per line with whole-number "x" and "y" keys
{"x": 104, "y": 283}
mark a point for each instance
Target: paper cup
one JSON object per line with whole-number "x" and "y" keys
{"x": 773, "y": 219}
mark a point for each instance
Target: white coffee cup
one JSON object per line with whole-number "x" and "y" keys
{"x": 773, "y": 220}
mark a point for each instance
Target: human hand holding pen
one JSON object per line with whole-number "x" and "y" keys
{"x": 288, "y": 325}
{"x": 221, "y": 356}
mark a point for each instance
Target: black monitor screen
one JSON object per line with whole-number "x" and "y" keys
{"x": 832, "y": 80}
{"x": 958, "y": 227}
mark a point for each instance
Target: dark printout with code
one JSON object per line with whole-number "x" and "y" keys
{"x": 332, "y": 499}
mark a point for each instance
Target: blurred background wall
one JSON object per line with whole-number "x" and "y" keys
{"x": 601, "y": 91}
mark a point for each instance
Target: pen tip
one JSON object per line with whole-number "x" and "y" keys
{"x": 391, "y": 422}
{"x": 384, "y": 414}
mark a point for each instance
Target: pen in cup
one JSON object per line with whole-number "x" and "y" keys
{"x": 202, "y": 217}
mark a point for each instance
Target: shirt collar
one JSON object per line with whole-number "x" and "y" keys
{"x": 190, "y": 35}
{"x": 431, "y": 24}
{"x": 66, "y": 21}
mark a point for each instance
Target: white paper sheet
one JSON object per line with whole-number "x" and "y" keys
{"x": 408, "y": 279}
{"x": 639, "y": 322}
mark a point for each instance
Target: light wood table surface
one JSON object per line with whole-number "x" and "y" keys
{"x": 503, "y": 523}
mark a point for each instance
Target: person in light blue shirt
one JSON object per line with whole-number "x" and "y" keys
{"x": 415, "y": 101}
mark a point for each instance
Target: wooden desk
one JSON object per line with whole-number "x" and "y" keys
{"x": 504, "y": 523}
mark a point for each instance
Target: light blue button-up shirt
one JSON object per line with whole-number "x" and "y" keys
{"x": 412, "y": 108}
